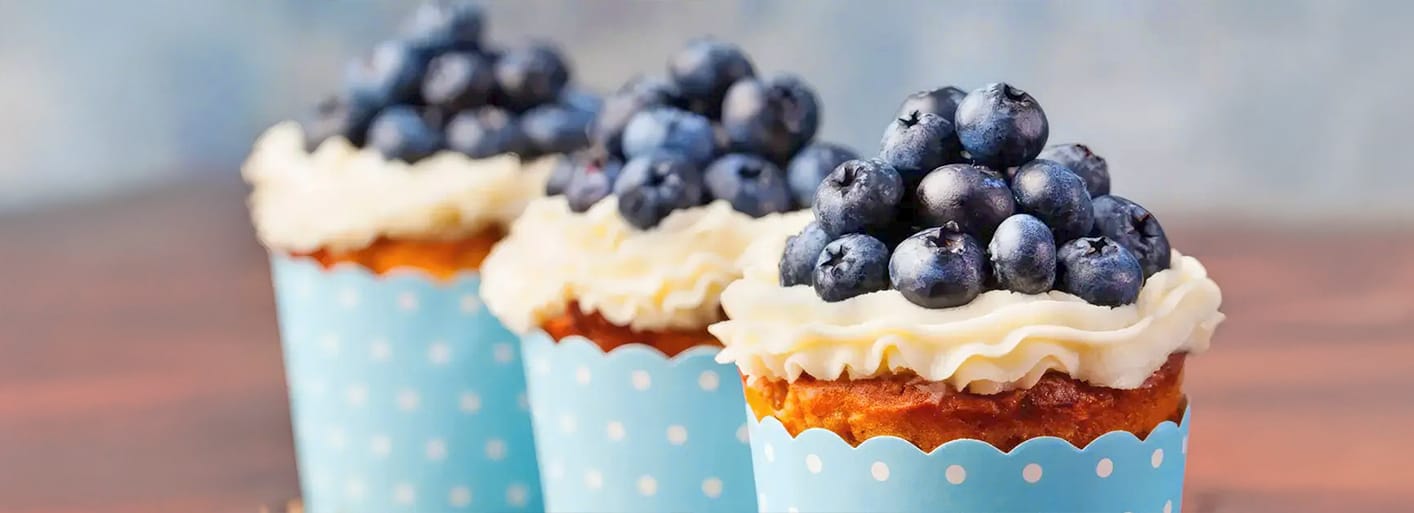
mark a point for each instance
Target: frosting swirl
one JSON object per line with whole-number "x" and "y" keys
{"x": 999, "y": 341}
{"x": 666, "y": 277}
{"x": 340, "y": 197}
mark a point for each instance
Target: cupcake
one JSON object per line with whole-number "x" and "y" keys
{"x": 613, "y": 279}
{"x": 972, "y": 322}
{"x": 406, "y": 394}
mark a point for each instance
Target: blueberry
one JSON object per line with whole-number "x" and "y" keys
{"x": 592, "y": 180}
{"x": 1080, "y": 160}
{"x": 859, "y": 195}
{"x": 554, "y": 128}
{"x": 669, "y": 129}
{"x": 458, "y": 81}
{"x": 753, "y": 185}
{"x": 797, "y": 265}
{"x": 486, "y": 132}
{"x": 337, "y": 116}
{"x": 530, "y": 76}
{"x": 439, "y": 26}
{"x": 1001, "y": 126}
{"x": 654, "y": 185}
{"x": 1133, "y": 227}
{"x": 392, "y": 74}
{"x": 938, "y": 268}
{"x": 809, "y": 168}
{"x": 1099, "y": 270}
{"x": 704, "y": 70}
{"x": 639, "y": 94}
{"x": 400, "y": 132}
{"x": 941, "y": 101}
{"x": 851, "y": 265}
{"x": 917, "y": 143}
{"x": 1054, "y": 195}
{"x": 773, "y": 119}
{"x": 1023, "y": 255}
{"x": 560, "y": 176}
{"x": 581, "y": 101}
{"x": 974, "y": 197}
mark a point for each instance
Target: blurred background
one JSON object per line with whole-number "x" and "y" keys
{"x": 139, "y": 362}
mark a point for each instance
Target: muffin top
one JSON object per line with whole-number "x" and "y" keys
{"x": 426, "y": 138}
{"x": 970, "y": 253}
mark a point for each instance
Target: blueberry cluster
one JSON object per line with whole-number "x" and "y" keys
{"x": 438, "y": 86}
{"x": 709, "y": 130}
{"x": 964, "y": 197}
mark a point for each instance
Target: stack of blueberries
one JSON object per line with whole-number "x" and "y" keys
{"x": 711, "y": 130}
{"x": 437, "y": 86}
{"x": 965, "y": 197}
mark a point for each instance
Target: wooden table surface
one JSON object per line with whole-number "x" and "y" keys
{"x": 140, "y": 369}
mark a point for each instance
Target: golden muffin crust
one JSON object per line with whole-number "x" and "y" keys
{"x": 609, "y": 336}
{"x": 440, "y": 258}
{"x": 930, "y": 414}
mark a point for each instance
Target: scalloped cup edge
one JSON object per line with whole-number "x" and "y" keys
{"x": 631, "y": 350}
{"x": 770, "y": 422}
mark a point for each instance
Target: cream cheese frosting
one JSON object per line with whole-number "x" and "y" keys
{"x": 1000, "y": 341}
{"x": 340, "y": 197}
{"x": 666, "y": 277}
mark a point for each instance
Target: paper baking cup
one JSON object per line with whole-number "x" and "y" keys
{"x": 406, "y": 394}
{"x": 632, "y": 430}
{"x": 819, "y": 472}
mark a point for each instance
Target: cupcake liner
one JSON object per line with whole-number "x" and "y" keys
{"x": 406, "y": 394}
{"x": 632, "y": 430}
{"x": 819, "y": 472}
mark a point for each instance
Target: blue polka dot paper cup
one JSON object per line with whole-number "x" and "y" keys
{"x": 406, "y": 394}
{"x": 632, "y": 430}
{"x": 818, "y": 471}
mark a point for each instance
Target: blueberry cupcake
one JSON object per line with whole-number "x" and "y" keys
{"x": 407, "y": 395}
{"x": 614, "y": 278}
{"x": 972, "y": 322}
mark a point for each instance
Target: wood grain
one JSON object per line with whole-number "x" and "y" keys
{"x": 140, "y": 369}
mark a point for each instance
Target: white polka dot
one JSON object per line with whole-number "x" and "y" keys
{"x": 770, "y": 452}
{"x": 408, "y": 400}
{"x": 708, "y": 380}
{"x": 316, "y": 387}
{"x": 330, "y": 343}
{"x": 470, "y": 402}
{"x": 792, "y": 509}
{"x": 380, "y": 350}
{"x": 541, "y": 366}
{"x": 1168, "y": 506}
{"x": 355, "y": 488}
{"x": 1184, "y": 450}
{"x": 761, "y": 500}
{"x": 880, "y": 471}
{"x": 581, "y": 375}
{"x": 615, "y": 430}
{"x": 742, "y": 435}
{"x": 647, "y": 486}
{"x": 555, "y": 470}
{"x": 321, "y": 479}
{"x": 356, "y": 394}
{"x": 338, "y": 439}
{"x": 1157, "y": 458}
{"x": 641, "y": 380}
{"x": 593, "y": 480}
{"x": 439, "y": 353}
{"x": 503, "y": 353}
{"x": 348, "y": 298}
{"x": 1104, "y": 468}
{"x": 496, "y": 449}
{"x": 407, "y": 301}
{"x": 712, "y": 487}
{"x": 380, "y": 445}
{"x": 677, "y": 435}
{"x": 523, "y": 401}
{"x": 404, "y": 493}
{"x": 1031, "y": 473}
{"x": 516, "y": 494}
{"x": 568, "y": 423}
{"x": 459, "y": 496}
{"x": 436, "y": 449}
{"x": 470, "y": 304}
{"x": 813, "y": 464}
{"x": 955, "y": 474}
